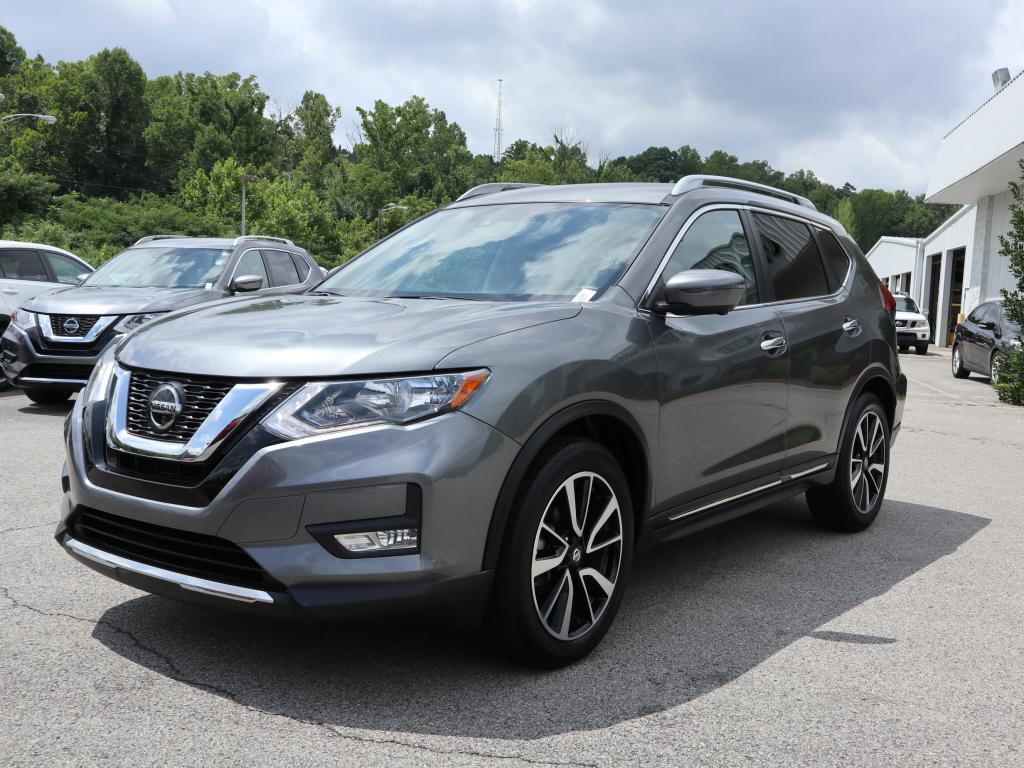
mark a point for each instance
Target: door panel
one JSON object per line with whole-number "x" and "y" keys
{"x": 723, "y": 401}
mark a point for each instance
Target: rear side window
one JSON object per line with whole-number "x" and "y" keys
{"x": 67, "y": 270}
{"x": 282, "y": 270}
{"x": 836, "y": 259}
{"x": 791, "y": 258}
{"x": 716, "y": 240}
{"x": 251, "y": 263}
{"x": 301, "y": 266}
{"x": 20, "y": 264}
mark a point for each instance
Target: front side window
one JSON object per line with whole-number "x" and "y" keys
{"x": 716, "y": 240}
{"x": 67, "y": 270}
{"x": 792, "y": 259}
{"x": 977, "y": 313}
{"x": 162, "y": 268}
{"x": 510, "y": 252}
{"x": 22, "y": 264}
{"x": 251, "y": 264}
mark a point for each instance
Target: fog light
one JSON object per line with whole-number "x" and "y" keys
{"x": 391, "y": 540}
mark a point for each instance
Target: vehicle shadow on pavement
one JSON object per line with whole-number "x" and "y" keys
{"x": 698, "y": 614}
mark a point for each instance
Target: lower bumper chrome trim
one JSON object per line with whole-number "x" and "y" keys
{"x": 193, "y": 583}
{"x": 38, "y": 380}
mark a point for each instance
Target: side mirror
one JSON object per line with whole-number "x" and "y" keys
{"x": 987, "y": 325}
{"x": 81, "y": 278}
{"x": 703, "y": 292}
{"x": 246, "y": 283}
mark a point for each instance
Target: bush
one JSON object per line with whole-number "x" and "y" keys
{"x": 1011, "y": 379}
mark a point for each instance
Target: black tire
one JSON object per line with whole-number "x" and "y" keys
{"x": 848, "y": 504}
{"x": 904, "y": 349}
{"x": 921, "y": 349}
{"x": 994, "y": 366}
{"x": 47, "y": 396}
{"x": 959, "y": 372}
{"x": 514, "y": 617}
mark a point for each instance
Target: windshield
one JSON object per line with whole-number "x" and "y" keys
{"x": 162, "y": 268}
{"x": 519, "y": 252}
{"x": 906, "y": 304}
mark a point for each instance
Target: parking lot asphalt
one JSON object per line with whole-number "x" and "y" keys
{"x": 765, "y": 641}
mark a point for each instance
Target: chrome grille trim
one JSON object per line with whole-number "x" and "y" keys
{"x": 101, "y": 324}
{"x": 231, "y": 411}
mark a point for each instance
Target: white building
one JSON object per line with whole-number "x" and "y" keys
{"x": 958, "y": 266}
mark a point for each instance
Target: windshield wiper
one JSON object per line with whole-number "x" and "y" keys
{"x": 326, "y": 293}
{"x": 435, "y": 297}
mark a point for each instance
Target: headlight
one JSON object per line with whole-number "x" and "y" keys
{"x": 333, "y": 405}
{"x": 22, "y": 319}
{"x": 98, "y": 386}
{"x": 131, "y": 322}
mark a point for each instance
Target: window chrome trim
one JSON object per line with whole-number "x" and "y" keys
{"x": 191, "y": 583}
{"x": 753, "y": 209}
{"x": 236, "y": 406}
{"x": 101, "y": 325}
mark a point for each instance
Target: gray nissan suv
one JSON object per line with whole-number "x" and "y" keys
{"x": 54, "y": 339}
{"x": 490, "y": 413}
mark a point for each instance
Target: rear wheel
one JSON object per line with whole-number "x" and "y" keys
{"x": 994, "y": 367}
{"x": 959, "y": 371}
{"x": 904, "y": 349}
{"x": 47, "y": 396}
{"x": 852, "y": 501}
{"x": 565, "y": 556}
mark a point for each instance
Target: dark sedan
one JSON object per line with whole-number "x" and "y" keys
{"x": 983, "y": 340}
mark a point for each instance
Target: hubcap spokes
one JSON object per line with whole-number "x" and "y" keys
{"x": 867, "y": 461}
{"x": 576, "y": 555}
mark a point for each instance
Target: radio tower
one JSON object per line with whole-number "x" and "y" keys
{"x": 497, "y": 128}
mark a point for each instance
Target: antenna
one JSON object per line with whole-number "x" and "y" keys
{"x": 497, "y": 128}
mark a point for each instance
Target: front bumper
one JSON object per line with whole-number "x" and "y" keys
{"x": 27, "y": 364}
{"x": 910, "y": 337}
{"x": 454, "y": 463}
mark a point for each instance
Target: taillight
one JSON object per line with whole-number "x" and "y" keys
{"x": 888, "y": 300}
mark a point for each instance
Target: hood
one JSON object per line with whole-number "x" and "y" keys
{"x": 911, "y": 316}
{"x": 103, "y": 300}
{"x": 324, "y": 336}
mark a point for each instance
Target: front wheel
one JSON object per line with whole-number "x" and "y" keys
{"x": 853, "y": 499}
{"x": 959, "y": 371}
{"x": 47, "y": 396}
{"x": 565, "y": 556}
{"x": 994, "y": 368}
{"x": 921, "y": 349}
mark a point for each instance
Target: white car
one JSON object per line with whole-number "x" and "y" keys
{"x": 28, "y": 269}
{"x": 912, "y": 329}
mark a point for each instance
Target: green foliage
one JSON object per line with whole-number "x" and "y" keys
{"x": 1011, "y": 374}
{"x": 130, "y": 156}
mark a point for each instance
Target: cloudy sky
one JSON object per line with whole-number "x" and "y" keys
{"x": 859, "y": 91}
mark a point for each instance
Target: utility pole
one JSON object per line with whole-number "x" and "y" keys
{"x": 497, "y": 127}
{"x": 246, "y": 178}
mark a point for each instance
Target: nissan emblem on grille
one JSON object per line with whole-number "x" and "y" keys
{"x": 166, "y": 403}
{"x": 71, "y": 326}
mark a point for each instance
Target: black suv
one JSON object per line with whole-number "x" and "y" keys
{"x": 54, "y": 339}
{"x": 983, "y": 340}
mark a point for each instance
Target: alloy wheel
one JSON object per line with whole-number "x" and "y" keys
{"x": 577, "y": 553}
{"x": 867, "y": 461}
{"x": 956, "y": 359}
{"x": 996, "y": 363}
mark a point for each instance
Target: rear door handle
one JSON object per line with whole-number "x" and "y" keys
{"x": 851, "y": 326}
{"x": 773, "y": 344}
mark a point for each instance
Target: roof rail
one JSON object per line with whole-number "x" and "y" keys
{"x": 150, "y": 238}
{"x": 697, "y": 181}
{"x": 490, "y": 188}
{"x": 242, "y": 238}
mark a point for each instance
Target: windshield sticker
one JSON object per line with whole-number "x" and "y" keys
{"x": 585, "y": 294}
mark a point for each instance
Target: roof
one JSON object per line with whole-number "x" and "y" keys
{"x": 21, "y": 244}
{"x": 225, "y": 243}
{"x": 910, "y": 242}
{"x": 979, "y": 155}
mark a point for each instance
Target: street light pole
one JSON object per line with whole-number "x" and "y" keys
{"x": 385, "y": 209}
{"x": 50, "y": 119}
{"x": 245, "y": 179}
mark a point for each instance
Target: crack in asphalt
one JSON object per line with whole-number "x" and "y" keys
{"x": 985, "y": 440}
{"x": 28, "y": 527}
{"x": 176, "y": 674}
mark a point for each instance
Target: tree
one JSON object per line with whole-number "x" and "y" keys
{"x": 12, "y": 55}
{"x": 1010, "y": 386}
{"x": 313, "y": 123}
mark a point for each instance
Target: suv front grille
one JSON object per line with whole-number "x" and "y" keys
{"x": 194, "y": 554}
{"x": 85, "y": 324}
{"x": 201, "y": 396}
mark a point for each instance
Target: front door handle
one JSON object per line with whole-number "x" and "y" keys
{"x": 10, "y": 291}
{"x": 851, "y": 326}
{"x": 774, "y": 344}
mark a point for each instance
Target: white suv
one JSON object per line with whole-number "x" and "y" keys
{"x": 912, "y": 329}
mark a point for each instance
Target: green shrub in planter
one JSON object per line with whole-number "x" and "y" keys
{"x": 1011, "y": 379}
